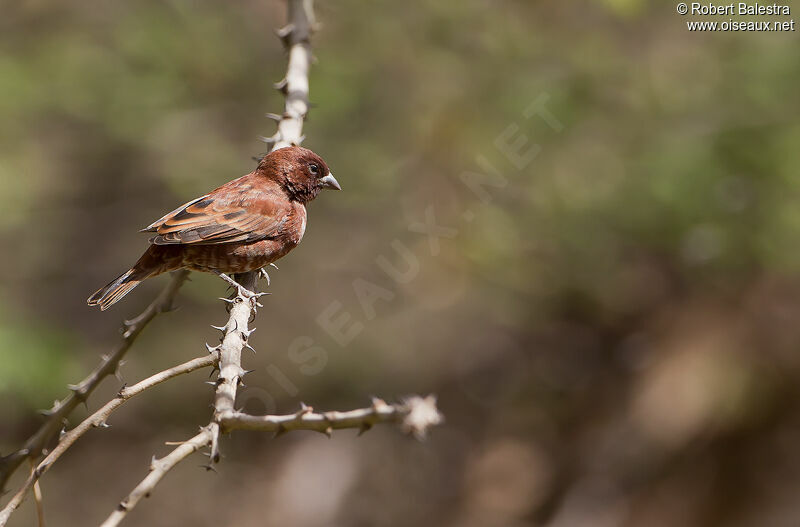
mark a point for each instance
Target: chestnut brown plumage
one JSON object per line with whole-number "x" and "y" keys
{"x": 242, "y": 226}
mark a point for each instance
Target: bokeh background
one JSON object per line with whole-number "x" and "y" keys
{"x": 614, "y": 337}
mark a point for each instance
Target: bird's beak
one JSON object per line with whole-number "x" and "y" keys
{"x": 330, "y": 182}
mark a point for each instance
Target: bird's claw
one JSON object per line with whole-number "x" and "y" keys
{"x": 263, "y": 272}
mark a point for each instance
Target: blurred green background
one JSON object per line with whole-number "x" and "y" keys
{"x": 614, "y": 336}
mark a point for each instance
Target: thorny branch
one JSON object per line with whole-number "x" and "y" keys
{"x": 415, "y": 414}
{"x": 230, "y": 352}
{"x": 80, "y": 392}
{"x": 158, "y": 469}
{"x": 296, "y": 36}
{"x": 98, "y": 420}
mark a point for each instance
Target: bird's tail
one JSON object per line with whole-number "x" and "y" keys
{"x": 109, "y": 295}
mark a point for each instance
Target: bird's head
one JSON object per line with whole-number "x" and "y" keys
{"x": 299, "y": 171}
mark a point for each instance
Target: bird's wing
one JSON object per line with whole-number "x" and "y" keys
{"x": 235, "y": 212}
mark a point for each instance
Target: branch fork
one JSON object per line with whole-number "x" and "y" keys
{"x": 415, "y": 415}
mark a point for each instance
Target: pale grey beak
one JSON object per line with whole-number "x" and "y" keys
{"x": 330, "y": 182}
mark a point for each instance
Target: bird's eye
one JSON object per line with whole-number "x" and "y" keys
{"x": 314, "y": 169}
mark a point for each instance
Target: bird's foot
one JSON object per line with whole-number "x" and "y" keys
{"x": 241, "y": 291}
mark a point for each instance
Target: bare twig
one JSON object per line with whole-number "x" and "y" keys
{"x": 158, "y": 469}
{"x": 80, "y": 392}
{"x": 415, "y": 415}
{"x": 98, "y": 419}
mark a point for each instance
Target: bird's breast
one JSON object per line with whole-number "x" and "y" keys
{"x": 302, "y": 228}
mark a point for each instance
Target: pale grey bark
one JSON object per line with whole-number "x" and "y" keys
{"x": 80, "y": 392}
{"x": 415, "y": 415}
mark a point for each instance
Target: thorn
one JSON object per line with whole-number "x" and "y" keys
{"x": 118, "y": 373}
{"x": 102, "y": 424}
{"x": 153, "y": 461}
{"x": 304, "y": 409}
{"x": 378, "y": 404}
{"x": 209, "y": 467}
{"x": 364, "y": 428}
{"x": 245, "y": 372}
{"x": 228, "y": 300}
{"x": 247, "y": 332}
{"x": 212, "y": 349}
{"x": 221, "y": 329}
{"x": 285, "y": 33}
{"x": 274, "y": 116}
{"x": 248, "y": 346}
{"x": 285, "y": 30}
{"x": 280, "y": 431}
{"x": 281, "y": 86}
{"x": 62, "y": 433}
{"x": 214, "y": 453}
{"x": 299, "y": 140}
{"x": 328, "y": 432}
{"x": 268, "y": 140}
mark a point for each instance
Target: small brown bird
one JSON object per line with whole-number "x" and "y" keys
{"x": 244, "y": 225}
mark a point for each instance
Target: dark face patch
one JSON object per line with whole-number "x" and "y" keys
{"x": 298, "y": 170}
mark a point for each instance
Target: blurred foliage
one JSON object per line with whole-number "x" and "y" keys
{"x": 613, "y": 336}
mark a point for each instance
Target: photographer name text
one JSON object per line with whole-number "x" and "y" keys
{"x": 742, "y": 8}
